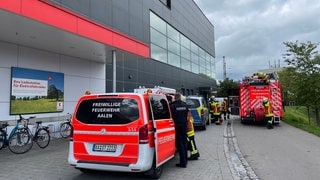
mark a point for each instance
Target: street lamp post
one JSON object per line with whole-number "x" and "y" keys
{"x": 224, "y": 68}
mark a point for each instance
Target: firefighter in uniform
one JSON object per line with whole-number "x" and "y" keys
{"x": 215, "y": 108}
{"x": 211, "y": 101}
{"x": 179, "y": 110}
{"x": 194, "y": 153}
{"x": 263, "y": 76}
{"x": 225, "y": 109}
{"x": 269, "y": 117}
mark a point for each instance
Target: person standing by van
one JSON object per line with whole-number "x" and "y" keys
{"x": 225, "y": 109}
{"x": 192, "y": 147}
{"x": 179, "y": 110}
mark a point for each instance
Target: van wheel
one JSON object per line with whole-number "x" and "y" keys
{"x": 154, "y": 172}
{"x": 204, "y": 127}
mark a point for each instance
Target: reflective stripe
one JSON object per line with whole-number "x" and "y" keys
{"x": 107, "y": 133}
{"x": 190, "y": 133}
{"x": 165, "y": 130}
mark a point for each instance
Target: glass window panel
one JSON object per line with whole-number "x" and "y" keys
{"x": 208, "y": 71}
{"x": 158, "y": 38}
{"x": 157, "y": 23}
{"x": 202, "y": 62}
{"x": 185, "y": 53}
{"x": 202, "y": 53}
{"x": 158, "y": 53}
{"x": 208, "y": 64}
{"x": 173, "y": 59}
{"x": 213, "y": 75}
{"x": 208, "y": 56}
{"x": 213, "y": 70}
{"x": 194, "y": 58}
{"x": 185, "y": 64}
{"x": 194, "y": 48}
{"x": 185, "y": 41}
{"x": 213, "y": 66}
{"x": 173, "y": 34}
{"x": 195, "y": 68}
{"x": 173, "y": 47}
{"x": 202, "y": 70}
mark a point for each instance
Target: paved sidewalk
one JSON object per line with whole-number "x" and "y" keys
{"x": 51, "y": 163}
{"x": 212, "y": 164}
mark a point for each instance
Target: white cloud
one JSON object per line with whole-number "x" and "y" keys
{"x": 250, "y": 33}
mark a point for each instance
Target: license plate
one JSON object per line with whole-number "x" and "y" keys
{"x": 105, "y": 147}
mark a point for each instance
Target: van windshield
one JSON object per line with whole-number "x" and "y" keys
{"x": 108, "y": 111}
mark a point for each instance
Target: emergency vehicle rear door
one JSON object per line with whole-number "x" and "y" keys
{"x": 164, "y": 131}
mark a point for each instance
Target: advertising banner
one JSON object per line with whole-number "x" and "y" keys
{"x": 36, "y": 91}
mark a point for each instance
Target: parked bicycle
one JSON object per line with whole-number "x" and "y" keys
{"x": 41, "y": 136}
{"x": 18, "y": 141}
{"x": 66, "y": 127}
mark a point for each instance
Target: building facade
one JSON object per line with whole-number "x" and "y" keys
{"x": 106, "y": 46}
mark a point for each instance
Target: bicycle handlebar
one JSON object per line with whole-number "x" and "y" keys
{"x": 25, "y": 119}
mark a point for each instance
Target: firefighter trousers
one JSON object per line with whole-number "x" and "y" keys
{"x": 194, "y": 153}
{"x": 269, "y": 122}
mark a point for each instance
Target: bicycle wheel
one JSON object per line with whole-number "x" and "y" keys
{"x": 42, "y": 138}
{"x": 20, "y": 142}
{"x": 65, "y": 129}
{"x": 2, "y": 138}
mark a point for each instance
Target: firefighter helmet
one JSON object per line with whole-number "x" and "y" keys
{"x": 265, "y": 100}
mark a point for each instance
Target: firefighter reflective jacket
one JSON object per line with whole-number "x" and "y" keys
{"x": 215, "y": 107}
{"x": 190, "y": 128}
{"x": 224, "y": 105}
{"x": 267, "y": 109}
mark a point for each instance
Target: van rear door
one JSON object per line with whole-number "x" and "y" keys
{"x": 164, "y": 131}
{"x": 106, "y": 129}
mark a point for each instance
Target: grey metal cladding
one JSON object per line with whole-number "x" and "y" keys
{"x": 132, "y": 17}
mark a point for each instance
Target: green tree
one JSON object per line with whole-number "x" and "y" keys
{"x": 305, "y": 61}
{"x": 226, "y": 86}
{"x": 288, "y": 77}
{"x": 54, "y": 93}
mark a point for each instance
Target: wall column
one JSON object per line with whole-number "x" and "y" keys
{"x": 114, "y": 76}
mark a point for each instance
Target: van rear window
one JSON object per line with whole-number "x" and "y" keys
{"x": 193, "y": 103}
{"x": 108, "y": 111}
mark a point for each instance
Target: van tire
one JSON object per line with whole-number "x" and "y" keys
{"x": 204, "y": 127}
{"x": 154, "y": 172}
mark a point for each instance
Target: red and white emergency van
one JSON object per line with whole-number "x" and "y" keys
{"x": 127, "y": 132}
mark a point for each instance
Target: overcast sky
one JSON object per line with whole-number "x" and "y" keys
{"x": 250, "y": 33}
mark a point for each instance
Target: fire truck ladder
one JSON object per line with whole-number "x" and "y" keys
{"x": 276, "y": 100}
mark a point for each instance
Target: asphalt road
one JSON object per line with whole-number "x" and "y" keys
{"x": 283, "y": 153}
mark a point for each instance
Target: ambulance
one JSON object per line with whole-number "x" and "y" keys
{"x": 124, "y": 132}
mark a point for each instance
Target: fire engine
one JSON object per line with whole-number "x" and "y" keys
{"x": 252, "y": 90}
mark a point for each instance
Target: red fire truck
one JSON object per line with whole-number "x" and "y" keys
{"x": 253, "y": 90}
